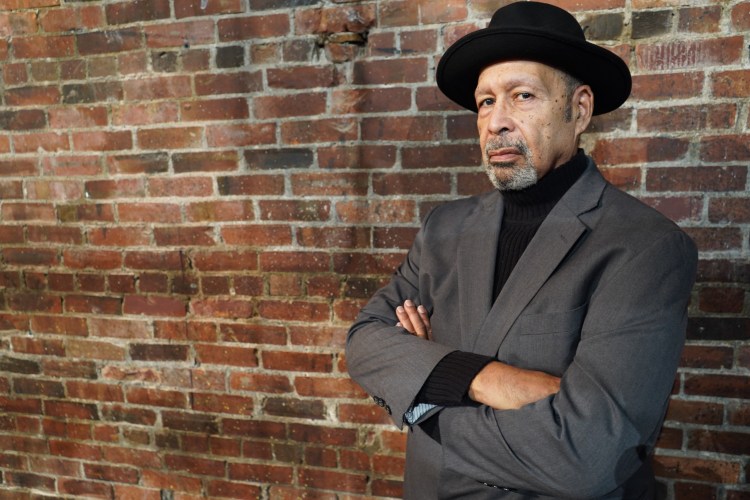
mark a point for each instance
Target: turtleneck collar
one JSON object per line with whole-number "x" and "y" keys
{"x": 536, "y": 201}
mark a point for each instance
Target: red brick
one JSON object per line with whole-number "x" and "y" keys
{"x": 103, "y": 42}
{"x": 741, "y": 17}
{"x": 321, "y": 130}
{"x": 181, "y": 187}
{"x": 370, "y": 100}
{"x": 303, "y": 104}
{"x": 77, "y": 116}
{"x": 295, "y": 261}
{"x": 214, "y": 109}
{"x": 102, "y": 140}
{"x": 210, "y": 161}
{"x": 226, "y": 261}
{"x": 94, "y": 391}
{"x": 188, "y": 8}
{"x": 297, "y": 361}
{"x": 333, "y": 237}
{"x": 156, "y": 397}
{"x": 695, "y": 356}
{"x": 170, "y": 138}
{"x": 328, "y": 387}
{"x": 721, "y": 300}
{"x": 696, "y": 469}
{"x": 311, "y": 312}
{"x": 149, "y": 212}
{"x": 257, "y": 235}
{"x": 728, "y": 386}
{"x": 700, "y": 19}
{"x": 159, "y": 87}
{"x": 302, "y": 77}
{"x": 399, "y": 13}
{"x": 330, "y": 184}
{"x": 676, "y": 118}
{"x": 294, "y": 408}
{"x": 200, "y": 466}
{"x": 28, "y": 480}
{"x": 222, "y": 403}
{"x": 376, "y": 211}
{"x": 39, "y": 347}
{"x": 118, "y": 236}
{"x": 715, "y": 238}
{"x": 411, "y": 184}
{"x": 180, "y": 34}
{"x": 449, "y": 155}
{"x": 359, "y": 263}
{"x": 137, "y": 10}
{"x": 390, "y": 71}
{"x": 155, "y": 306}
{"x": 333, "y": 480}
{"x": 667, "y": 86}
{"x": 220, "y": 211}
{"x": 256, "y": 382}
{"x": 27, "y": 212}
{"x": 233, "y": 356}
{"x": 253, "y": 27}
{"x": 158, "y": 260}
{"x": 43, "y": 95}
{"x": 41, "y": 142}
{"x": 638, "y": 150}
{"x": 725, "y": 148}
{"x": 145, "y": 113}
{"x": 699, "y": 179}
{"x": 242, "y": 82}
{"x": 241, "y": 134}
{"x": 31, "y": 47}
{"x": 232, "y": 489}
{"x": 735, "y": 210}
{"x": 692, "y": 54}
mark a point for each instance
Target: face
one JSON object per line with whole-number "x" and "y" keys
{"x": 529, "y": 121}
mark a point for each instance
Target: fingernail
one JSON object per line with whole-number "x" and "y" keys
{"x": 409, "y": 303}
{"x": 399, "y": 309}
{"x": 421, "y": 309}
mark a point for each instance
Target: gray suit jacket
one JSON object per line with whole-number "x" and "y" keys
{"x": 599, "y": 297}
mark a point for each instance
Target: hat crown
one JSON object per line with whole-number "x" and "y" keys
{"x": 537, "y": 16}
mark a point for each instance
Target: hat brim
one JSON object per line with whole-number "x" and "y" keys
{"x": 459, "y": 68}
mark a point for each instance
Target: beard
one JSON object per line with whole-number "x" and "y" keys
{"x": 516, "y": 176}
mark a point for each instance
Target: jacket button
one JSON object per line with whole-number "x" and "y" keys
{"x": 379, "y": 401}
{"x": 388, "y": 409}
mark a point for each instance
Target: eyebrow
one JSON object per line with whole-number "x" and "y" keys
{"x": 512, "y": 83}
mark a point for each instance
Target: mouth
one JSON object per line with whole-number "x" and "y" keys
{"x": 503, "y": 155}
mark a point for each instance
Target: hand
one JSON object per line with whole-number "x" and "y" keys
{"x": 414, "y": 320}
{"x": 505, "y": 387}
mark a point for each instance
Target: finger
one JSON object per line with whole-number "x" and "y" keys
{"x": 425, "y": 317}
{"x": 420, "y": 330}
{"x": 403, "y": 319}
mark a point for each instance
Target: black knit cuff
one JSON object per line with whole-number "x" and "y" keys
{"x": 449, "y": 381}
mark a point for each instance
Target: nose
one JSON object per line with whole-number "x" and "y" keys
{"x": 500, "y": 121}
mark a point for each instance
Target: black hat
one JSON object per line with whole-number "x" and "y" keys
{"x": 540, "y": 32}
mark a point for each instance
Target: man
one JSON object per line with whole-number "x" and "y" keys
{"x": 531, "y": 337}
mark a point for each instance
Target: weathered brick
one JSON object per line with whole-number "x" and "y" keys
{"x": 296, "y": 408}
{"x": 696, "y": 469}
{"x": 688, "y": 54}
{"x": 391, "y": 71}
{"x": 238, "y": 135}
{"x": 332, "y": 479}
{"x": 253, "y": 27}
{"x": 137, "y": 10}
{"x": 188, "y": 8}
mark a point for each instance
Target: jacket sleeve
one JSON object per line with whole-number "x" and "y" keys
{"x": 388, "y": 362}
{"x": 591, "y": 436}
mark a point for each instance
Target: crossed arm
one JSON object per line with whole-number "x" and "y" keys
{"x": 497, "y": 385}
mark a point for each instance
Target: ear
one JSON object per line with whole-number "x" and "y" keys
{"x": 583, "y": 107}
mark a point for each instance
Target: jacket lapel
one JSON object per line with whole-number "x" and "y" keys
{"x": 553, "y": 241}
{"x": 477, "y": 249}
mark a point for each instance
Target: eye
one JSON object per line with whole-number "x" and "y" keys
{"x": 489, "y": 101}
{"x": 524, "y": 96}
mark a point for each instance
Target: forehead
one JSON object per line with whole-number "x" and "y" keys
{"x": 519, "y": 73}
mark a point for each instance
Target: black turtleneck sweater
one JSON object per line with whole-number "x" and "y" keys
{"x": 523, "y": 212}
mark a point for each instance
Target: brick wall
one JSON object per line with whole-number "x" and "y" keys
{"x": 197, "y": 195}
